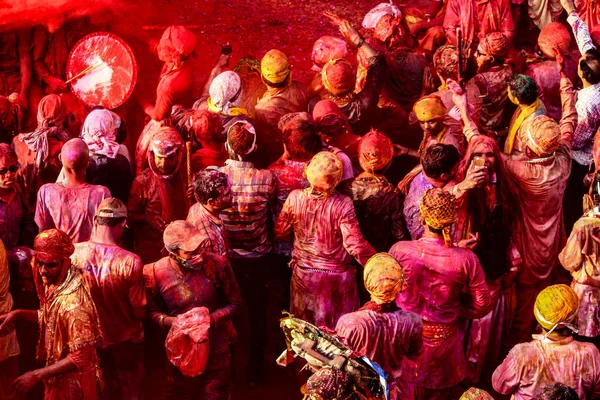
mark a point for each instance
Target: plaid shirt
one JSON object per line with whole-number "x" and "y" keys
{"x": 211, "y": 226}
{"x": 246, "y": 221}
{"x": 588, "y": 100}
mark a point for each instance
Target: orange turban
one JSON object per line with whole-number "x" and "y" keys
{"x": 275, "y": 66}
{"x": 383, "y": 277}
{"x": 495, "y": 44}
{"x": 375, "y": 151}
{"x": 180, "y": 39}
{"x": 429, "y": 107}
{"x": 476, "y": 394}
{"x": 324, "y": 172}
{"x": 438, "y": 210}
{"x": 51, "y": 111}
{"x": 338, "y": 77}
{"x": 556, "y": 307}
{"x": 543, "y": 136}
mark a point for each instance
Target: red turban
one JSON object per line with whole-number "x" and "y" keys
{"x": 52, "y": 245}
{"x": 375, "y": 151}
{"x": 329, "y": 118}
{"x": 207, "y": 126}
{"x": 445, "y": 61}
{"x": 338, "y": 77}
{"x": 495, "y": 44}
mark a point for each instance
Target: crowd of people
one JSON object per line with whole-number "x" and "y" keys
{"x": 474, "y": 275}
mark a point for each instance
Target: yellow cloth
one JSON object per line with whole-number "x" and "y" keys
{"x": 438, "y": 210}
{"x": 275, "y": 66}
{"x": 555, "y": 306}
{"x": 476, "y": 394}
{"x": 429, "y": 107}
{"x": 516, "y": 124}
{"x": 324, "y": 172}
{"x": 233, "y": 111}
{"x": 383, "y": 277}
{"x": 9, "y": 346}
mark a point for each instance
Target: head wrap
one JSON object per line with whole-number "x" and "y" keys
{"x": 476, "y": 394}
{"x": 324, "y": 172}
{"x": 372, "y": 17}
{"x": 429, "y": 107}
{"x": 223, "y": 89}
{"x": 51, "y": 111}
{"x": 182, "y": 235}
{"x": 445, "y": 61}
{"x": 330, "y": 384}
{"x": 52, "y": 245}
{"x": 180, "y": 39}
{"x": 329, "y": 118}
{"x": 165, "y": 142}
{"x": 338, "y": 77}
{"x": 375, "y": 151}
{"x": 207, "y": 126}
{"x": 275, "y": 66}
{"x": 556, "y": 307}
{"x": 495, "y": 44}
{"x": 554, "y": 35}
{"x": 327, "y": 48}
{"x": 241, "y": 142}
{"x": 99, "y": 132}
{"x": 438, "y": 210}
{"x": 383, "y": 277}
{"x": 543, "y": 136}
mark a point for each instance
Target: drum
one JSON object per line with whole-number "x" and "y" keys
{"x": 102, "y": 70}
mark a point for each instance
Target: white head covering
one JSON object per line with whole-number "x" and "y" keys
{"x": 99, "y": 132}
{"x": 222, "y": 89}
{"x": 376, "y": 13}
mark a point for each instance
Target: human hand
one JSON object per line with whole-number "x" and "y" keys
{"x": 333, "y": 18}
{"x": 508, "y": 280}
{"x": 560, "y": 60}
{"x": 349, "y": 32}
{"x": 223, "y": 61}
{"x": 7, "y": 322}
{"x": 26, "y": 382}
{"x": 56, "y": 85}
{"x": 568, "y": 5}
{"x": 470, "y": 243}
{"x": 156, "y": 221}
{"x": 475, "y": 177}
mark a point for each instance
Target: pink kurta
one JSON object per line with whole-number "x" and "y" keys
{"x": 437, "y": 279}
{"x": 326, "y": 237}
{"x": 530, "y": 367}
{"x": 580, "y": 258}
{"x": 477, "y": 19}
{"x": 70, "y": 210}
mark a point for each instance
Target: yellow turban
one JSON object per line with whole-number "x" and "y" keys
{"x": 543, "y": 136}
{"x": 556, "y": 307}
{"x": 429, "y": 107}
{"x": 384, "y": 278}
{"x": 476, "y": 394}
{"x": 324, "y": 172}
{"x": 438, "y": 210}
{"x": 275, "y": 66}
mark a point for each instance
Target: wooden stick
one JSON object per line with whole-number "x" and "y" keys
{"x": 85, "y": 71}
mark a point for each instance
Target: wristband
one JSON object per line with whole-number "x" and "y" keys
{"x": 360, "y": 43}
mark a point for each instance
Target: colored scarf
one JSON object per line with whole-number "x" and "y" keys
{"x": 516, "y": 124}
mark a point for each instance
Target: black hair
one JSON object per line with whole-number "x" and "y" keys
{"x": 439, "y": 159}
{"x": 558, "y": 391}
{"x": 108, "y": 221}
{"x": 590, "y": 66}
{"x": 523, "y": 88}
{"x": 207, "y": 184}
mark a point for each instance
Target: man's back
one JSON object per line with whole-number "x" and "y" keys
{"x": 115, "y": 279}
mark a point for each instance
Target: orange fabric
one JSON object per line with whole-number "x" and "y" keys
{"x": 324, "y": 172}
{"x": 375, "y": 151}
{"x": 429, "y": 107}
{"x": 338, "y": 77}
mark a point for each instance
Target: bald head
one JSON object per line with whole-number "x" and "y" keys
{"x": 75, "y": 155}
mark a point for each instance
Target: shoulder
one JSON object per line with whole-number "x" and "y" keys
{"x": 49, "y": 187}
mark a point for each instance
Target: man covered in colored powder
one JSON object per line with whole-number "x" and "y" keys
{"x": 68, "y": 323}
{"x": 115, "y": 279}
{"x": 70, "y": 205}
{"x": 380, "y": 330}
{"x": 326, "y": 238}
{"x": 552, "y": 356}
{"x": 188, "y": 278}
{"x": 158, "y": 195}
{"x": 437, "y": 274}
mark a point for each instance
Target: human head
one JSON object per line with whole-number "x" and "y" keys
{"x": 440, "y": 162}
{"x": 75, "y": 156}
{"x": 212, "y": 188}
{"x": 445, "y": 62}
{"x": 522, "y": 90}
{"x": 176, "y": 44}
{"x": 99, "y": 132}
{"x": 207, "y": 126}
{"x": 225, "y": 92}
{"x": 52, "y": 111}
{"x": 384, "y": 278}
{"x": 184, "y": 243}
{"x": 51, "y": 251}
{"x": 327, "y": 48}
{"x": 166, "y": 152}
{"x": 438, "y": 212}
{"x": 241, "y": 140}
{"x": 543, "y": 137}
{"x": 430, "y": 111}
{"x": 375, "y": 152}
{"x": 300, "y": 136}
{"x": 589, "y": 67}
{"x": 111, "y": 214}
{"x": 338, "y": 77}
{"x": 384, "y": 19}
{"x": 329, "y": 384}
{"x": 556, "y": 307}
{"x": 476, "y": 394}
{"x": 484, "y": 147}
{"x": 324, "y": 172}
{"x": 9, "y": 166}
{"x": 330, "y": 120}
{"x": 492, "y": 50}
{"x": 558, "y": 391}
{"x": 275, "y": 69}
